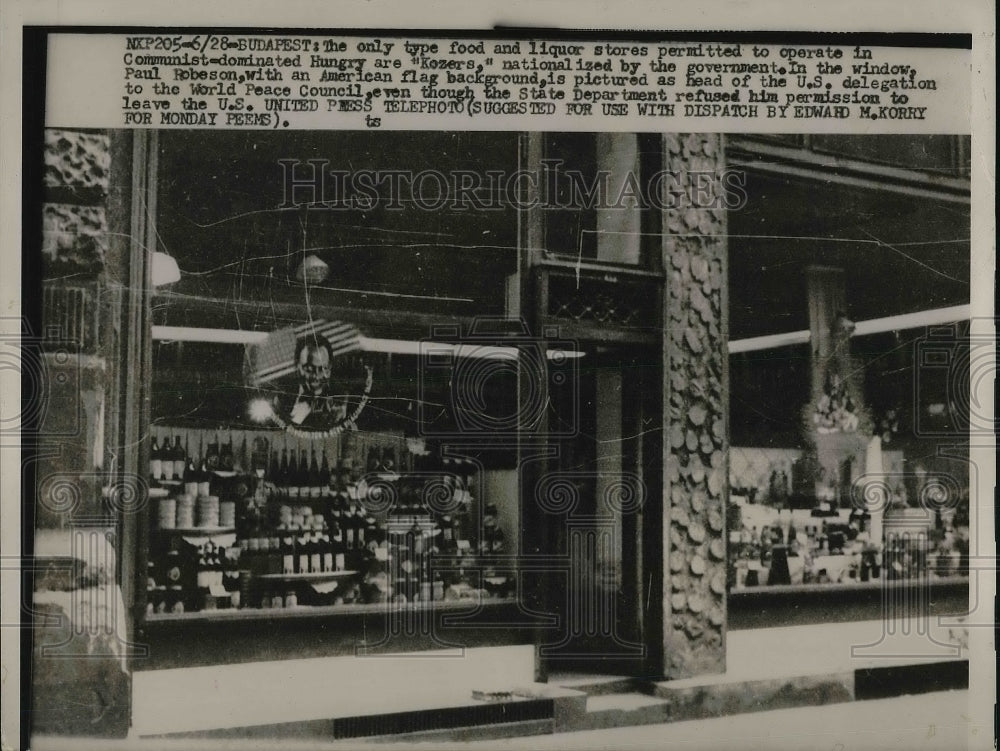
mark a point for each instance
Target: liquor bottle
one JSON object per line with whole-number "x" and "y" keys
{"x": 211, "y": 457}
{"x": 179, "y": 458}
{"x": 292, "y": 478}
{"x": 315, "y": 554}
{"x": 226, "y": 459}
{"x": 204, "y": 479}
{"x": 371, "y": 533}
{"x": 155, "y": 461}
{"x": 315, "y": 481}
{"x": 243, "y": 462}
{"x": 286, "y": 473}
{"x": 339, "y": 557}
{"x": 765, "y": 546}
{"x": 287, "y": 555}
{"x": 273, "y": 558}
{"x": 324, "y": 476}
{"x": 302, "y": 555}
{"x": 167, "y": 460}
{"x": 348, "y": 521}
{"x": 360, "y": 526}
{"x": 336, "y": 506}
{"x": 305, "y": 485}
{"x": 190, "y": 477}
{"x": 202, "y": 573}
{"x": 326, "y": 553}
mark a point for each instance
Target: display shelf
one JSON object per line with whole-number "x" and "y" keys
{"x": 197, "y": 531}
{"x": 307, "y": 577}
{"x": 322, "y": 611}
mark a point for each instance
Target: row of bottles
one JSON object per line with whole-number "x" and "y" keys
{"x": 177, "y": 452}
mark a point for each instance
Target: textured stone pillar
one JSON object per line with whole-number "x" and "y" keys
{"x": 80, "y": 676}
{"x": 696, "y": 406}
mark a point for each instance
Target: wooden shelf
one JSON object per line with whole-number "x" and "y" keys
{"x": 307, "y": 577}
{"x": 330, "y": 611}
{"x": 197, "y": 531}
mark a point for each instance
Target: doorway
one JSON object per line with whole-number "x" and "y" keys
{"x": 605, "y": 423}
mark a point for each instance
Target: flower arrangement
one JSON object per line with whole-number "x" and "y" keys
{"x": 835, "y": 410}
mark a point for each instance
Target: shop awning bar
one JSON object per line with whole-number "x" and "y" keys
{"x": 935, "y": 317}
{"x": 368, "y": 344}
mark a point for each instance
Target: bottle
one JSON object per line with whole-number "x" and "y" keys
{"x": 389, "y": 460}
{"x": 287, "y": 555}
{"x": 204, "y": 479}
{"x": 179, "y": 458}
{"x": 315, "y": 554}
{"x": 339, "y": 556}
{"x": 302, "y": 555}
{"x": 360, "y": 527}
{"x": 273, "y": 556}
{"x": 793, "y": 541}
{"x": 348, "y": 520}
{"x": 326, "y": 553}
{"x": 284, "y": 474}
{"x": 305, "y": 485}
{"x": 244, "y": 463}
{"x": 167, "y": 460}
{"x": 315, "y": 481}
{"x": 324, "y": 476}
{"x": 202, "y": 572}
{"x": 211, "y": 457}
{"x": 226, "y": 459}
{"x": 190, "y": 477}
{"x": 155, "y": 461}
{"x": 292, "y": 479}
{"x": 336, "y": 503}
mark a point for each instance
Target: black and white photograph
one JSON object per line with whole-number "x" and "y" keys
{"x": 592, "y": 434}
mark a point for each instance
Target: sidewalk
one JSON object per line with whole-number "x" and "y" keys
{"x": 935, "y": 721}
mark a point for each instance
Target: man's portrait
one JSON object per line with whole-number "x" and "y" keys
{"x": 315, "y": 406}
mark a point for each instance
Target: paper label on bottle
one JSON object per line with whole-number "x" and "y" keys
{"x": 340, "y": 562}
{"x": 328, "y": 561}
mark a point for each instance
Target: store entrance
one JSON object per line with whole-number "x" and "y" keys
{"x": 606, "y": 428}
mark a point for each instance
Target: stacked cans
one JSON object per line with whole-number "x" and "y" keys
{"x": 208, "y": 511}
{"x": 227, "y": 514}
{"x": 168, "y": 513}
{"x": 185, "y": 511}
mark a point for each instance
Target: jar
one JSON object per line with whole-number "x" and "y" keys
{"x": 291, "y": 600}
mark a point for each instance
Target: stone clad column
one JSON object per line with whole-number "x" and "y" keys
{"x": 695, "y": 406}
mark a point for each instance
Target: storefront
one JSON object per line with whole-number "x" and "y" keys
{"x": 367, "y": 398}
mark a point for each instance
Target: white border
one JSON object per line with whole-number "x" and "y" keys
{"x": 975, "y": 16}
